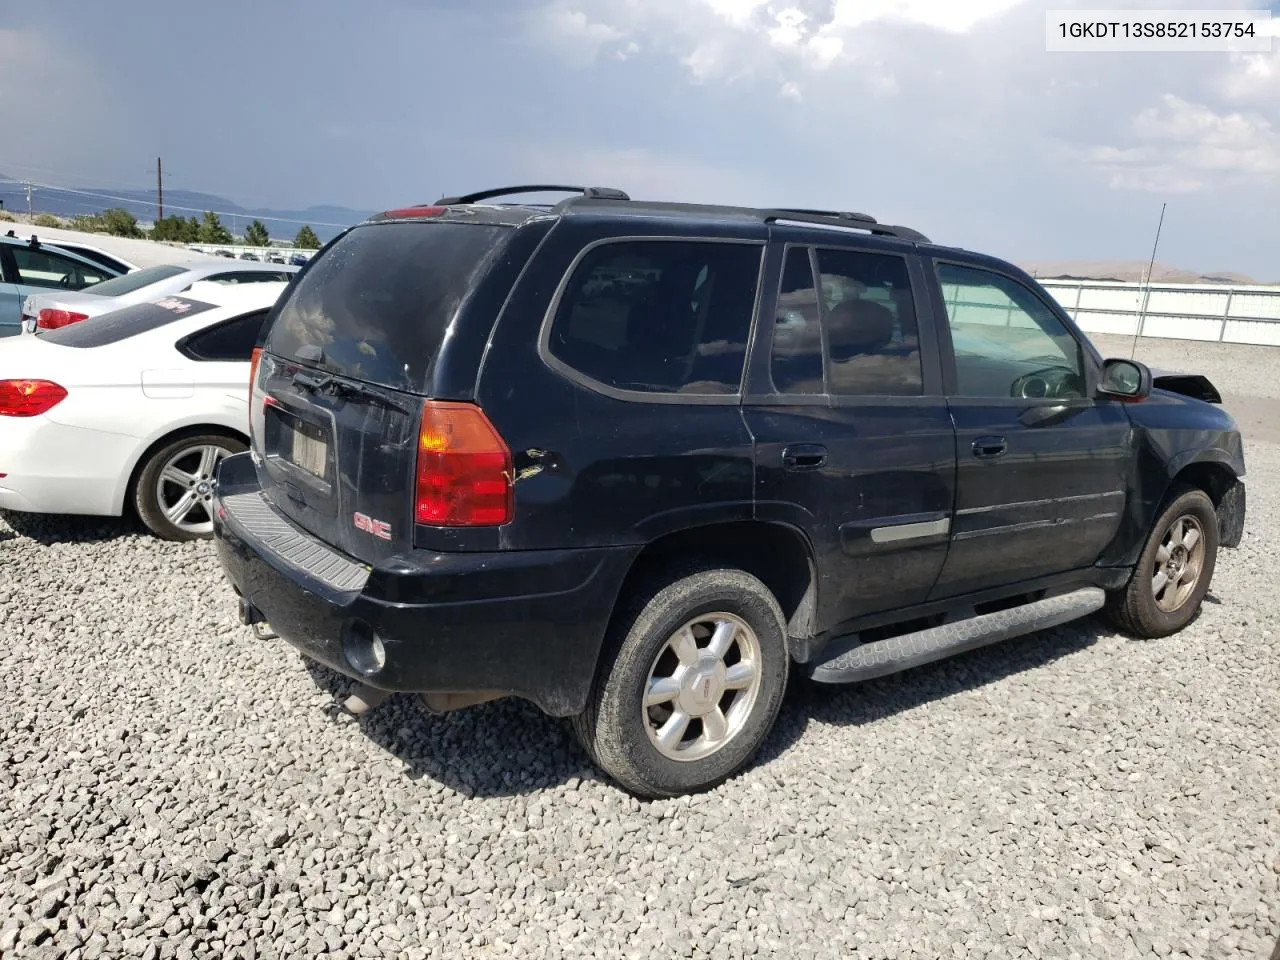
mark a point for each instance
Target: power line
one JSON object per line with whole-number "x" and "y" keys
{"x": 221, "y": 213}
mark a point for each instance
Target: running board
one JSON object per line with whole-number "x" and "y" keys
{"x": 882, "y": 657}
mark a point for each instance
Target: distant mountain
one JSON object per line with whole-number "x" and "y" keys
{"x": 325, "y": 219}
{"x": 1132, "y": 271}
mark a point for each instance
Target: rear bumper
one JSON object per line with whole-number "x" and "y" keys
{"x": 526, "y": 623}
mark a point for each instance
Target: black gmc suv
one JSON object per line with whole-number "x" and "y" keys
{"x": 637, "y": 461}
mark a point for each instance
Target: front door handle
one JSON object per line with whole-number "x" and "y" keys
{"x": 988, "y": 448}
{"x": 804, "y": 456}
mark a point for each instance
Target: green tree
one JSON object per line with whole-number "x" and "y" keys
{"x": 192, "y": 234}
{"x": 174, "y": 228}
{"x": 86, "y": 223}
{"x": 45, "y": 220}
{"x": 256, "y": 235}
{"x": 306, "y": 239}
{"x": 211, "y": 229}
{"x": 120, "y": 223}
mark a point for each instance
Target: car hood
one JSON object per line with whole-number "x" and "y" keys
{"x": 1194, "y": 385}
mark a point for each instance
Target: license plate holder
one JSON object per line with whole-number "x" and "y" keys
{"x": 308, "y": 448}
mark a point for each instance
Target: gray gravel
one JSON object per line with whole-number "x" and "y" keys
{"x": 172, "y": 789}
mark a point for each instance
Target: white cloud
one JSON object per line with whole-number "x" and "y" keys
{"x": 1183, "y": 147}
{"x": 736, "y": 12}
{"x": 644, "y": 173}
{"x": 955, "y": 16}
{"x": 727, "y": 39}
{"x": 1254, "y": 77}
{"x": 580, "y": 38}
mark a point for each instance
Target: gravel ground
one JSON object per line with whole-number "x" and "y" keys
{"x": 173, "y": 789}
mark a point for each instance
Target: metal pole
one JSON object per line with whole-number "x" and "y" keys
{"x": 1137, "y": 330}
{"x": 1226, "y": 315}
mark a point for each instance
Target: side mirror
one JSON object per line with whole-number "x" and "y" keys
{"x": 1126, "y": 380}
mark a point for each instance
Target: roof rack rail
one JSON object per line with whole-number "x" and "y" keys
{"x": 856, "y": 221}
{"x": 839, "y": 214}
{"x": 593, "y": 193}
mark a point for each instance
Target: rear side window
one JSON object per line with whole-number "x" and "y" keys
{"x": 125, "y": 322}
{"x": 796, "y": 363}
{"x": 873, "y": 343}
{"x": 233, "y": 340}
{"x": 377, "y": 304}
{"x": 659, "y": 316}
{"x": 862, "y": 303}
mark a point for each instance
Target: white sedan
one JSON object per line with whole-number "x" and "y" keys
{"x": 132, "y": 410}
{"x": 53, "y": 309}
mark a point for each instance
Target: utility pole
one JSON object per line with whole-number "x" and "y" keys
{"x": 28, "y": 186}
{"x": 159, "y": 189}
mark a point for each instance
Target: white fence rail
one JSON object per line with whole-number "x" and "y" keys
{"x": 1178, "y": 311}
{"x": 260, "y": 253}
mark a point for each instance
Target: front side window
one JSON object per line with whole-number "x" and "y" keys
{"x": 659, "y": 316}
{"x": 1007, "y": 341}
{"x": 38, "y": 267}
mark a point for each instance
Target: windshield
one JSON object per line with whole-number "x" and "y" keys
{"x": 137, "y": 280}
{"x": 375, "y": 306}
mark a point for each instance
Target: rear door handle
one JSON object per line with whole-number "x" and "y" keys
{"x": 988, "y": 448}
{"x": 804, "y": 456}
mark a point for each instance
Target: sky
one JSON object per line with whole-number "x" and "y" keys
{"x": 945, "y": 115}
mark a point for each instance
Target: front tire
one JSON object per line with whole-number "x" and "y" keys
{"x": 696, "y": 679}
{"x": 174, "y": 492}
{"x": 1173, "y": 572}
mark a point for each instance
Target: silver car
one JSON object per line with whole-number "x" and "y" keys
{"x": 49, "y": 311}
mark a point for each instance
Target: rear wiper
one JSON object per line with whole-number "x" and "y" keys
{"x": 324, "y": 383}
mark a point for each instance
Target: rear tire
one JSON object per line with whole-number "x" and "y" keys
{"x": 697, "y": 670}
{"x": 174, "y": 491}
{"x": 1173, "y": 572}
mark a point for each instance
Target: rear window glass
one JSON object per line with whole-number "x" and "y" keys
{"x": 126, "y": 322}
{"x": 376, "y": 305}
{"x": 660, "y": 316}
{"x": 130, "y": 282}
{"x": 251, "y": 276}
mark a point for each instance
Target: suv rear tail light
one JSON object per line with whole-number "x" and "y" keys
{"x": 53, "y": 319}
{"x": 464, "y": 474}
{"x": 253, "y": 371}
{"x": 29, "y": 398}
